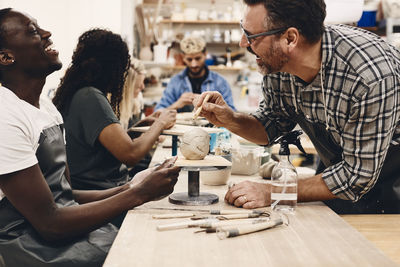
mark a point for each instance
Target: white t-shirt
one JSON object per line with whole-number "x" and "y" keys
{"x": 20, "y": 128}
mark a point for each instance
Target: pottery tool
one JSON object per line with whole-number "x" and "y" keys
{"x": 197, "y": 113}
{"x": 216, "y": 212}
{"x": 211, "y": 227}
{"x": 231, "y": 216}
{"x": 184, "y": 224}
{"x": 232, "y": 231}
{"x": 225, "y": 214}
{"x": 173, "y": 215}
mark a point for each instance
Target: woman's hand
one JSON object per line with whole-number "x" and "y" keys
{"x": 167, "y": 116}
{"x": 155, "y": 114}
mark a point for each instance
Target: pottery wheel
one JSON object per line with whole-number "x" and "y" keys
{"x": 193, "y": 197}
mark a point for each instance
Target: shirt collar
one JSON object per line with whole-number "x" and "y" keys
{"x": 327, "y": 49}
{"x": 328, "y": 46}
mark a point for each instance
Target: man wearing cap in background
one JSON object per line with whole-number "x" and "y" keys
{"x": 194, "y": 79}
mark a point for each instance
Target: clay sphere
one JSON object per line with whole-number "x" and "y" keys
{"x": 195, "y": 144}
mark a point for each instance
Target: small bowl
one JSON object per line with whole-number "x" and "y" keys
{"x": 218, "y": 177}
{"x": 246, "y": 160}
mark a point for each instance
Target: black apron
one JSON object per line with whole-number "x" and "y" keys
{"x": 20, "y": 244}
{"x": 384, "y": 197}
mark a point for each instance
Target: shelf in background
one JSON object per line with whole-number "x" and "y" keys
{"x": 214, "y": 68}
{"x": 223, "y": 44}
{"x": 166, "y": 21}
{"x": 166, "y": 65}
{"x": 153, "y": 64}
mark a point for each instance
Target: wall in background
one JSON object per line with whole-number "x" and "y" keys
{"x": 67, "y": 19}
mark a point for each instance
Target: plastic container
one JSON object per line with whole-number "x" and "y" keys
{"x": 343, "y": 11}
{"x": 284, "y": 186}
{"x": 213, "y": 140}
{"x": 217, "y": 177}
{"x": 368, "y": 19}
{"x": 284, "y": 175}
{"x": 247, "y": 159}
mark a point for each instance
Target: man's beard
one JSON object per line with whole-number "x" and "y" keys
{"x": 277, "y": 59}
{"x": 197, "y": 73}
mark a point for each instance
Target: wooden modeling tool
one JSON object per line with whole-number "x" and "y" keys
{"x": 197, "y": 113}
{"x": 232, "y": 231}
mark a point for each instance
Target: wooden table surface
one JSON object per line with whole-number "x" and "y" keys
{"x": 315, "y": 236}
{"x": 383, "y": 230}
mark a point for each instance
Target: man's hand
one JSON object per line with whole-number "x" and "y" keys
{"x": 215, "y": 110}
{"x": 140, "y": 176}
{"x": 184, "y": 100}
{"x": 249, "y": 195}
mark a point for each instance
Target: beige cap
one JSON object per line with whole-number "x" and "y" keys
{"x": 192, "y": 44}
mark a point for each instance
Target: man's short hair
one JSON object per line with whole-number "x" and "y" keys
{"x": 306, "y": 15}
{"x": 193, "y": 44}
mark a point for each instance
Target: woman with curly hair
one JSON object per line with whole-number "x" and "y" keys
{"x": 99, "y": 149}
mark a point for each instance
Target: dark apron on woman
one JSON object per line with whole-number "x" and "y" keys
{"x": 384, "y": 197}
{"x": 20, "y": 244}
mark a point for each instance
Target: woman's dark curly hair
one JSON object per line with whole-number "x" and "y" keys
{"x": 101, "y": 59}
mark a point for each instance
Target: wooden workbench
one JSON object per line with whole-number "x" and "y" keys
{"x": 316, "y": 236}
{"x": 383, "y": 230}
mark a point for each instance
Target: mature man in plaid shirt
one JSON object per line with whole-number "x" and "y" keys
{"x": 341, "y": 85}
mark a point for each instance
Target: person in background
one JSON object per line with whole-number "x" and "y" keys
{"x": 131, "y": 109}
{"x": 194, "y": 79}
{"x": 43, "y": 222}
{"x": 99, "y": 149}
{"x": 341, "y": 84}
{"x": 131, "y": 106}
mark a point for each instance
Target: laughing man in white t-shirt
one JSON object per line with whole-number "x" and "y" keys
{"x": 42, "y": 221}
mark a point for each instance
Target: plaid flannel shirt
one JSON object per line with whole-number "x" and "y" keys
{"x": 361, "y": 81}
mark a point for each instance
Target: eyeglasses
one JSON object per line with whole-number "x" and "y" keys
{"x": 250, "y": 37}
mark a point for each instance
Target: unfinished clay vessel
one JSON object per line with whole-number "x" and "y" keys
{"x": 195, "y": 144}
